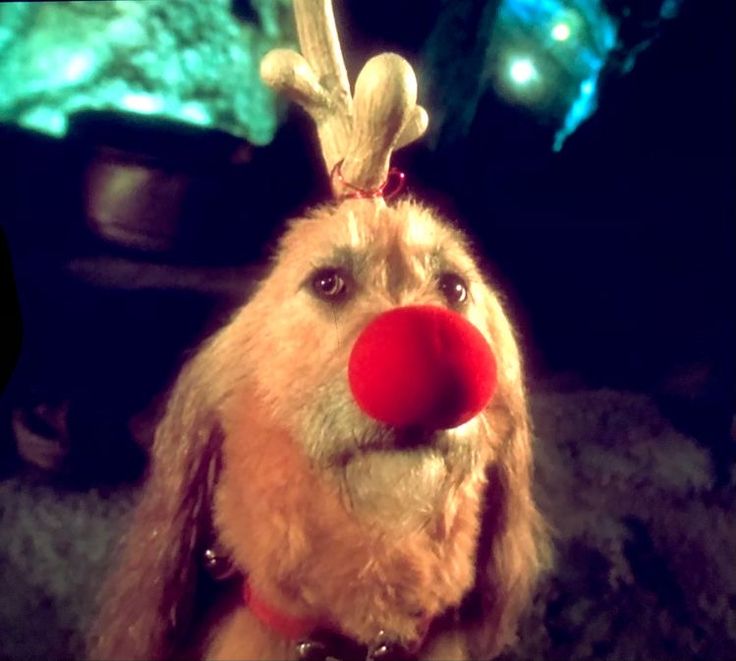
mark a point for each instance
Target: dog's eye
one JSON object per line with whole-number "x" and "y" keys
{"x": 330, "y": 284}
{"x": 453, "y": 288}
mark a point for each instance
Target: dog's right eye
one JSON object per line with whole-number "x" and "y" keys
{"x": 330, "y": 284}
{"x": 453, "y": 288}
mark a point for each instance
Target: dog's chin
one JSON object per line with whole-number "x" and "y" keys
{"x": 397, "y": 477}
{"x": 402, "y": 478}
{"x": 402, "y": 487}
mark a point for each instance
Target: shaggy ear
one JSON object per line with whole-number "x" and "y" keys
{"x": 514, "y": 547}
{"x": 151, "y": 593}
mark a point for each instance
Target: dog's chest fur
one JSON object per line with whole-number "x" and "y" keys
{"x": 309, "y": 553}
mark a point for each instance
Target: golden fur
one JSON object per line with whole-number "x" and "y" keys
{"x": 263, "y": 448}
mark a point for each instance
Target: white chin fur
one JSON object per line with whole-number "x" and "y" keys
{"x": 402, "y": 487}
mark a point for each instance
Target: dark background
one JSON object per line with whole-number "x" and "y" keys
{"x": 616, "y": 254}
{"x": 619, "y": 248}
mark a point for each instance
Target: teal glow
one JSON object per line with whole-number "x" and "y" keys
{"x": 78, "y": 66}
{"x": 560, "y": 31}
{"x": 522, "y": 71}
{"x": 196, "y": 113}
{"x": 46, "y": 120}
{"x": 569, "y": 44}
{"x": 184, "y": 60}
{"x": 146, "y": 104}
{"x": 581, "y": 108}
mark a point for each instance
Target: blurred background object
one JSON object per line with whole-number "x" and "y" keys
{"x": 192, "y": 62}
{"x": 12, "y": 323}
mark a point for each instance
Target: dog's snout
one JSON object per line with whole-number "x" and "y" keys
{"x": 423, "y": 366}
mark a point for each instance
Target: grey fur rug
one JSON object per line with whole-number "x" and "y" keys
{"x": 645, "y": 545}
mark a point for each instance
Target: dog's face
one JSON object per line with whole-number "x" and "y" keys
{"x": 334, "y": 273}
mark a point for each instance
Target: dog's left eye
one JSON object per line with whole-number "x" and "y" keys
{"x": 453, "y": 288}
{"x": 330, "y": 284}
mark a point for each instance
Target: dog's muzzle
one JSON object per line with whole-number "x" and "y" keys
{"x": 422, "y": 366}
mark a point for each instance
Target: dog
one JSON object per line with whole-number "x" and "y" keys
{"x": 315, "y": 516}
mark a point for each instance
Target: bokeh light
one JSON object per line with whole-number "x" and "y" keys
{"x": 522, "y": 71}
{"x": 561, "y": 31}
{"x": 566, "y": 46}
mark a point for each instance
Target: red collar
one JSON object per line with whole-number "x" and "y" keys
{"x": 288, "y": 626}
{"x": 297, "y": 628}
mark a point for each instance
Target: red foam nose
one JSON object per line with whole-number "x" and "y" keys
{"x": 422, "y": 366}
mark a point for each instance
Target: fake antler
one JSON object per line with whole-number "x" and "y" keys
{"x": 357, "y": 134}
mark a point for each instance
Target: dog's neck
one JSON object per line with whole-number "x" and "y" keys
{"x": 284, "y": 624}
{"x": 309, "y": 555}
{"x": 313, "y": 638}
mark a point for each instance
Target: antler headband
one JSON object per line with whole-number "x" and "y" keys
{"x": 357, "y": 133}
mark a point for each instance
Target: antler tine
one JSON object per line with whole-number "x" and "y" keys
{"x": 360, "y": 133}
{"x": 315, "y": 24}
{"x": 320, "y": 45}
{"x": 414, "y": 128}
{"x": 317, "y": 79}
{"x": 384, "y": 112}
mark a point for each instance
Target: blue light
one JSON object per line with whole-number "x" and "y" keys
{"x": 561, "y": 31}
{"x": 567, "y": 45}
{"x": 522, "y": 70}
{"x": 582, "y": 107}
{"x": 570, "y": 44}
{"x": 669, "y": 9}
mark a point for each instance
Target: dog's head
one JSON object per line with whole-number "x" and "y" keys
{"x": 335, "y": 273}
{"x": 276, "y": 380}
